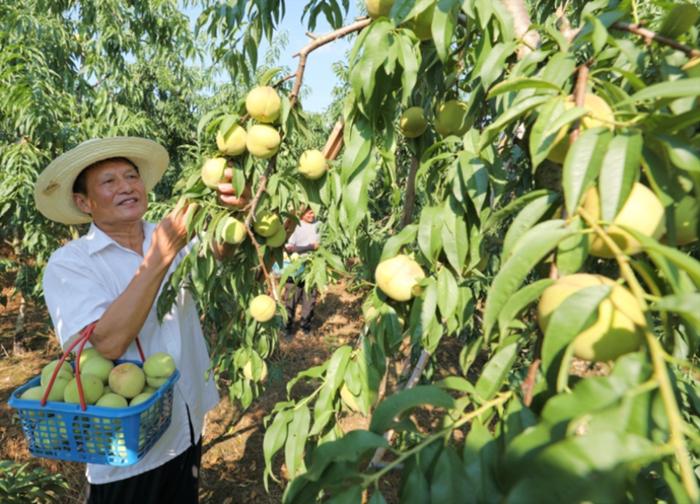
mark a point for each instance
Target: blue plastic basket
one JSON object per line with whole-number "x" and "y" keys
{"x": 98, "y": 435}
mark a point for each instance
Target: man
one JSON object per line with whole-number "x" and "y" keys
{"x": 113, "y": 275}
{"x": 303, "y": 240}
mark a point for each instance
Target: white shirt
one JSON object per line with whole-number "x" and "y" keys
{"x": 305, "y": 234}
{"x": 81, "y": 280}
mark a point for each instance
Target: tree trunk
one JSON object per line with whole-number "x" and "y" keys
{"x": 18, "y": 346}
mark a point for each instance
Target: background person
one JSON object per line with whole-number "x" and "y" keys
{"x": 113, "y": 275}
{"x": 303, "y": 240}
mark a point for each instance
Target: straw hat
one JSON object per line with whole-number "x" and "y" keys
{"x": 53, "y": 192}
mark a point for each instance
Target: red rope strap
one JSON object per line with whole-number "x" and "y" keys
{"x": 80, "y": 340}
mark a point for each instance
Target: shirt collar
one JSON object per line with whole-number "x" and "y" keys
{"x": 98, "y": 240}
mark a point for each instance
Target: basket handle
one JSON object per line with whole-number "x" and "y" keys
{"x": 80, "y": 340}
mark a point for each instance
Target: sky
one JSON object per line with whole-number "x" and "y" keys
{"x": 319, "y": 78}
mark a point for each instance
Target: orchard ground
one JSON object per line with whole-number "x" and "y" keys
{"x": 232, "y": 447}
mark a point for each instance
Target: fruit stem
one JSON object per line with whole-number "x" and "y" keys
{"x": 498, "y": 401}
{"x": 676, "y": 425}
{"x": 642, "y": 271}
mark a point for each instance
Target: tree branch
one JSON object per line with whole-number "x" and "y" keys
{"x": 649, "y": 35}
{"x": 529, "y": 384}
{"x": 521, "y": 24}
{"x": 262, "y": 183}
{"x": 315, "y": 44}
{"x": 412, "y": 380}
{"x": 410, "y": 193}
{"x": 579, "y": 98}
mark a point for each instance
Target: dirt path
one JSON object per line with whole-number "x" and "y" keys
{"x": 232, "y": 458}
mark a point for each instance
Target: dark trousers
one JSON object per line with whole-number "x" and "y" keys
{"x": 175, "y": 482}
{"x": 293, "y": 295}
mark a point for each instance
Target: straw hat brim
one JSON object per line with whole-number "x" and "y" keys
{"x": 53, "y": 192}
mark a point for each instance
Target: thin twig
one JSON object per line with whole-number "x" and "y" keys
{"x": 283, "y": 80}
{"x": 529, "y": 384}
{"x": 315, "y": 44}
{"x": 415, "y": 376}
{"x": 649, "y": 36}
{"x": 410, "y": 193}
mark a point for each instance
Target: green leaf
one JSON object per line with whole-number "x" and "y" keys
{"x": 268, "y": 75}
{"x": 409, "y": 58}
{"x": 377, "y": 498}
{"x": 682, "y": 154}
{"x": 512, "y": 113}
{"x": 532, "y": 248}
{"x": 520, "y": 83}
{"x": 572, "y": 252}
{"x": 398, "y": 403}
{"x": 528, "y": 217}
{"x": 297, "y": 432}
{"x": 352, "y": 495}
{"x": 473, "y": 176}
{"x": 455, "y": 241}
{"x": 429, "y": 229}
{"x": 559, "y": 68}
{"x": 312, "y": 372}
{"x": 674, "y": 89}
{"x": 447, "y": 293}
{"x": 336, "y": 366}
{"x": 495, "y": 62}
{"x": 562, "y": 471}
{"x": 619, "y": 172}
{"x": 443, "y": 26}
{"x": 518, "y": 301}
{"x": 495, "y": 218}
{"x": 415, "y": 485}
{"x": 394, "y": 244}
{"x": 275, "y": 436}
{"x": 456, "y": 383}
{"x": 687, "y": 305}
{"x": 569, "y": 319}
{"x": 449, "y": 482}
{"x": 551, "y": 118}
{"x": 582, "y": 165}
{"x": 352, "y": 447}
{"x": 679, "y": 20}
{"x": 495, "y": 372}
{"x": 677, "y": 257}
{"x": 600, "y": 34}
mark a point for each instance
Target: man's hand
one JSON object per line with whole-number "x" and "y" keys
{"x": 227, "y": 194}
{"x": 170, "y": 234}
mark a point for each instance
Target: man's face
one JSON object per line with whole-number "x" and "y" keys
{"x": 115, "y": 193}
{"x": 308, "y": 216}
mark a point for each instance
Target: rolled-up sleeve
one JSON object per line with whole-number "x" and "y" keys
{"x": 74, "y": 295}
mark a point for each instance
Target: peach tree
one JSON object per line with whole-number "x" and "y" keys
{"x": 518, "y": 184}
